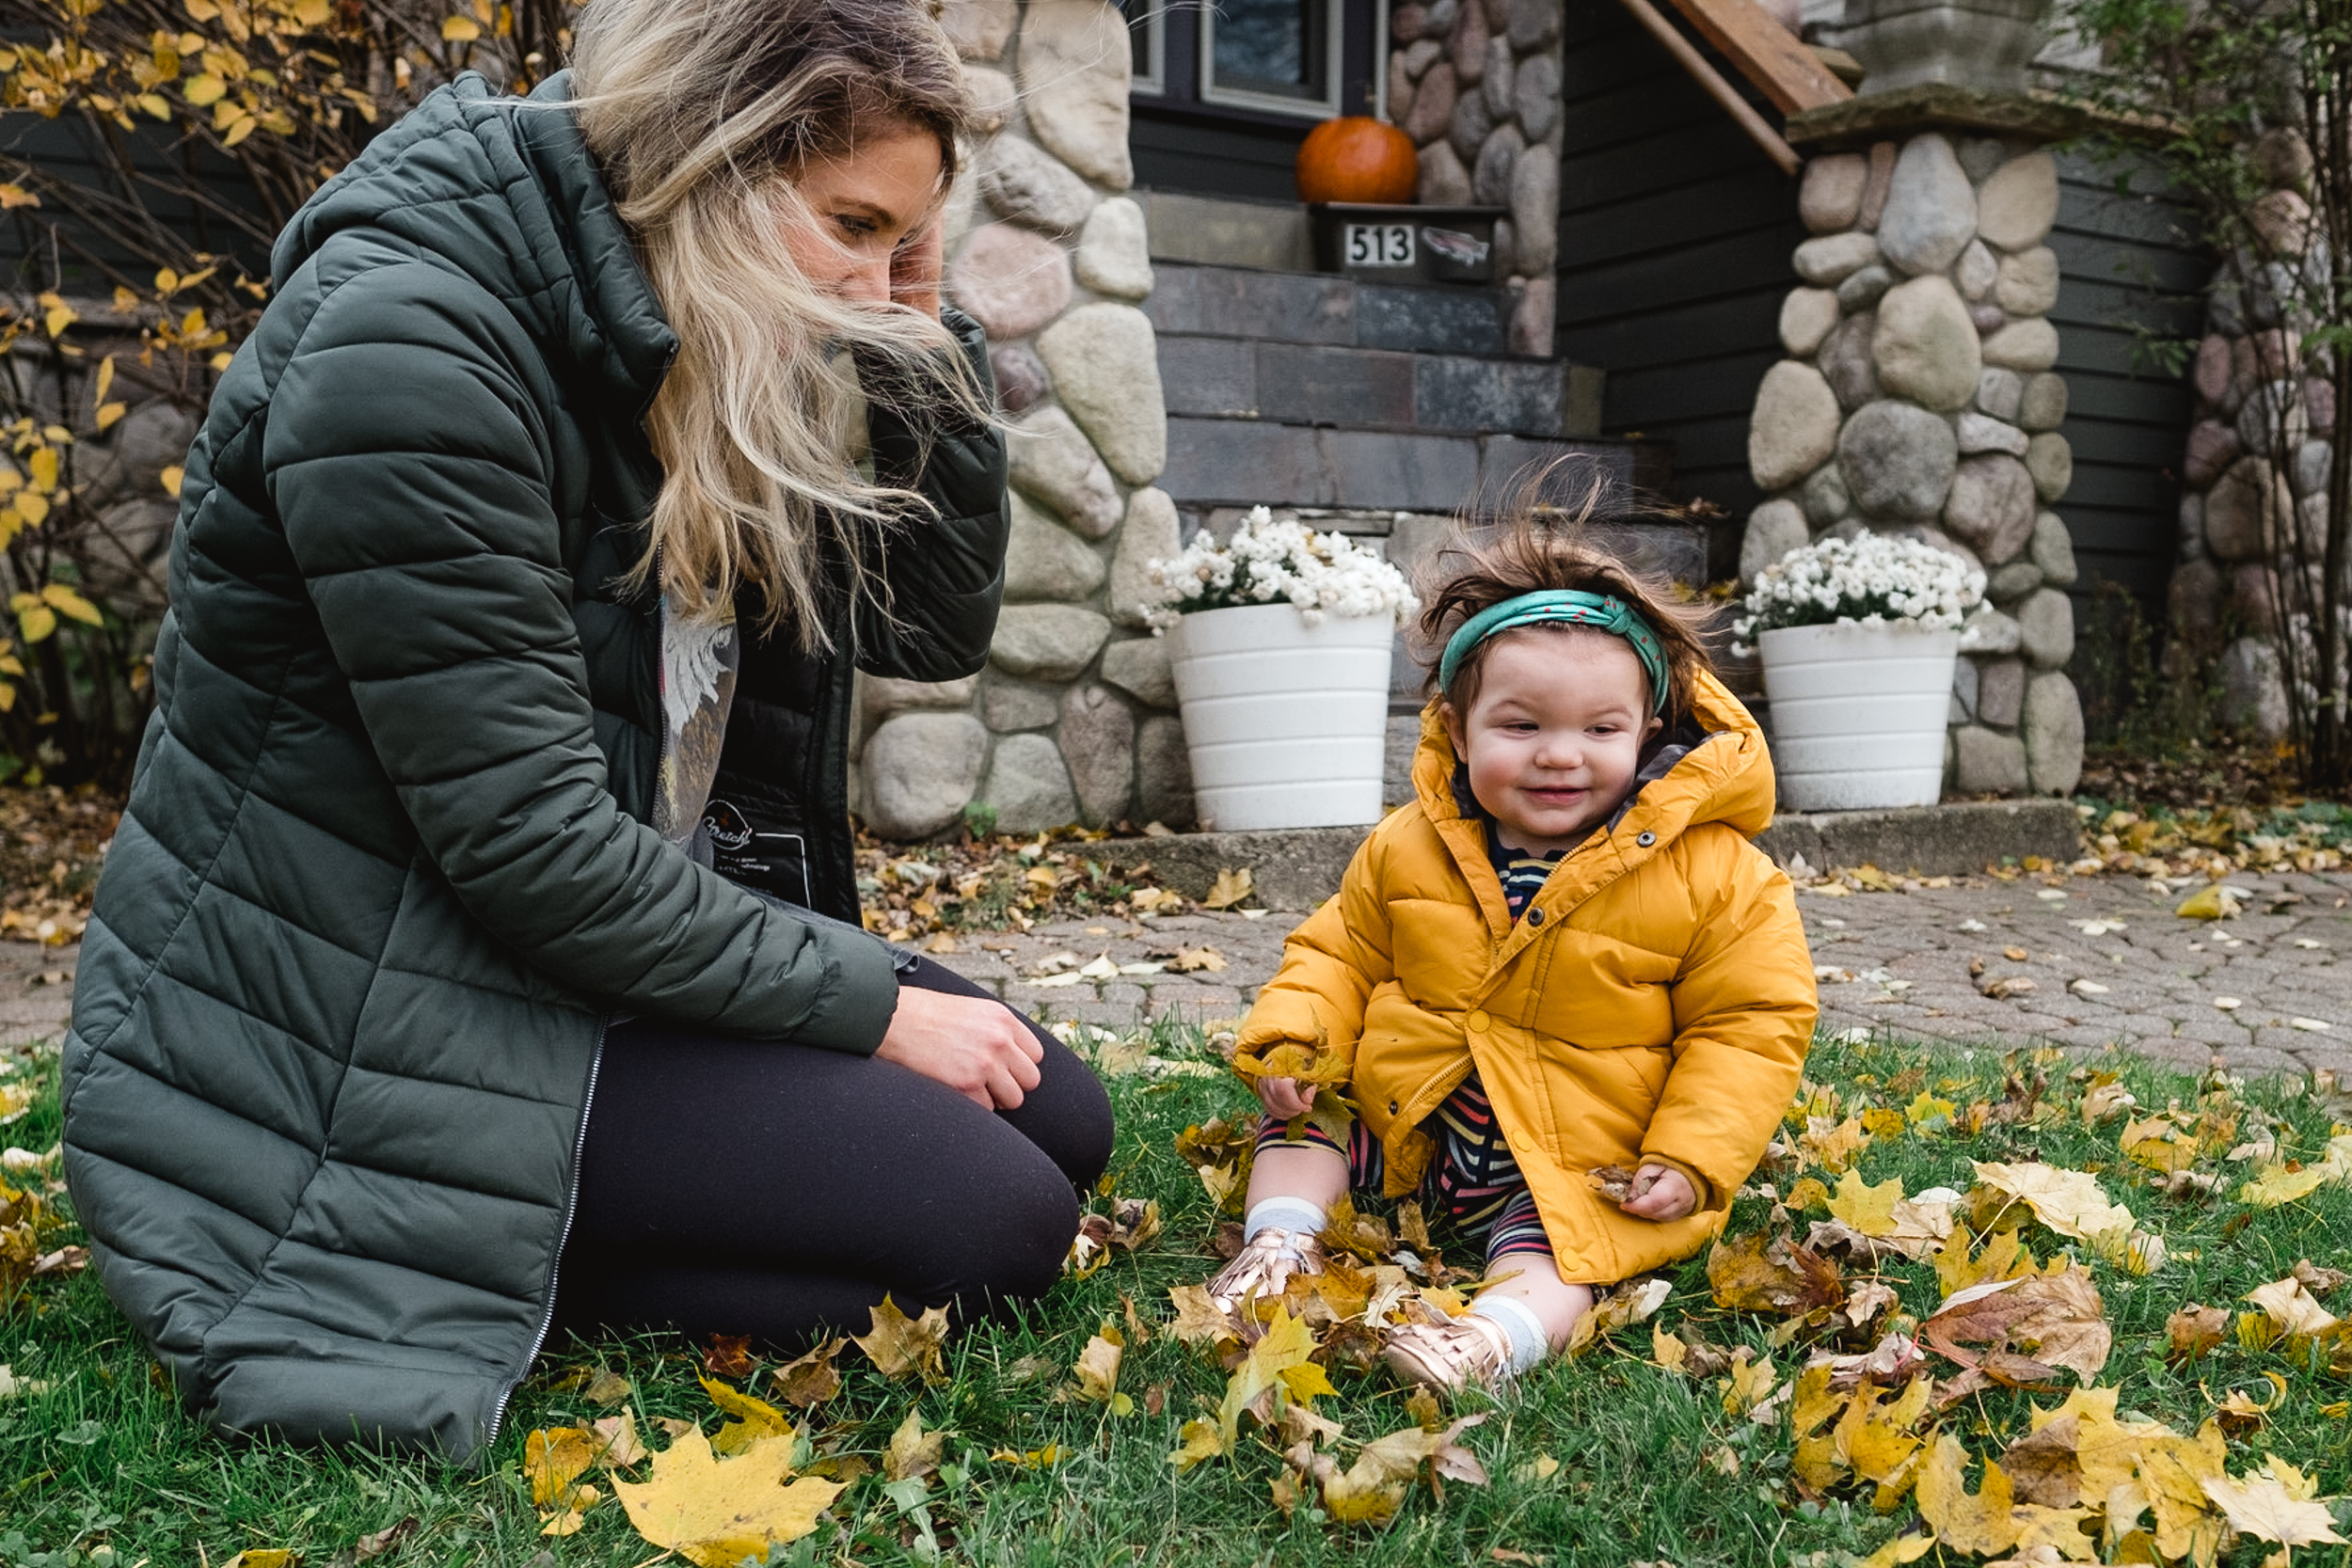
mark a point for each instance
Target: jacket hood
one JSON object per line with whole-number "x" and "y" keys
{"x": 506, "y": 191}
{"x": 1724, "y": 775}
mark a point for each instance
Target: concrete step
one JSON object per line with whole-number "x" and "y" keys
{"x": 1326, "y": 308}
{"x": 1298, "y": 868}
{"x": 1370, "y": 388}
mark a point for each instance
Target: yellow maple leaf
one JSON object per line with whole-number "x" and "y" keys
{"x": 1230, "y": 888}
{"x": 900, "y": 1346}
{"x": 2275, "y": 1184}
{"x": 1097, "y": 1368}
{"x": 1198, "y": 1320}
{"x": 1370, "y": 1491}
{"x": 1287, "y": 1342}
{"x": 716, "y": 1513}
{"x": 554, "y": 1458}
{"x": 1200, "y": 1440}
{"x": 2292, "y": 1308}
{"x": 911, "y": 1452}
{"x": 754, "y": 1419}
{"x": 2070, "y": 1202}
{"x": 1868, "y": 1209}
{"x": 2263, "y": 1506}
{"x": 1978, "y": 1522}
{"x": 1832, "y": 1146}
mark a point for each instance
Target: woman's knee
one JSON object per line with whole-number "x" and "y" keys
{"x": 1020, "y": 1234}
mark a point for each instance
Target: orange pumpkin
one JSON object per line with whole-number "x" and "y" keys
{"x": 1356, "y": 158}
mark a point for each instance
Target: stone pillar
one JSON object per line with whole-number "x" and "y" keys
{"x": 1918, "y": 396}
{"x": 1476, "y": 84}
{"x": 2260, "y": 447}
{"x": 1050, "y": 257}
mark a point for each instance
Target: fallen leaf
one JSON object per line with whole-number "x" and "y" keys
{"x": 1198, "y": 1320}
{"x": 384, "y": 1539}
{"x": 754, "y": 1419}
{"x": 2318, "y": 1281}
{"x": 618, "y": 1444}
{"x": 1230, "y": 888}
{"x": 1193, "y": 960}
{"x": 1634, "y": 1302}
{"x": 912, "y": 1453}
{"x": 1372, "y": 1489}
{"x": 2070, "y": 1202}
{"x": 2027, "y": 1327}
{"x": 1097, "y": 1368}
{"x": 715, "y": 1513}
{"x": 2217, "y": 902}
{"x": 811, "y": 1380}
{"x": 2192, "y": 1331}
{"x": 2291, "y": 1309}
{"x": 607, "y": 1387}
{"x": 555, "y": 1458}
{"x": 260, "y": 1557}
{"x": 2261, "y": 1505}
{"x": 728, "y": 1355}
{"x": 1758, "y": 1273}
{"x": 900, "y": 1346}
{"x": 1864, "y": 1207}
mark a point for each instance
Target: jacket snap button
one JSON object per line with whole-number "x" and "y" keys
{"x": 1478, "y": 1020}
{"x": 1392, "y": 1107}
{"x": 1644, "y": 839}
{"x": 1534, "y": 917}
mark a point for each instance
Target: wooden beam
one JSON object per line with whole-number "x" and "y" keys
{"x": 1724, "y": 93}
{"x": 1766, "y": 53}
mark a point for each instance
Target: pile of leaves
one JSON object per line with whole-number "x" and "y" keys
{"x": 2183, "y": 842}
{"x": 2196, "y": 773}
{"x": 992, "y": 882}
{"x": 51, "y": 844}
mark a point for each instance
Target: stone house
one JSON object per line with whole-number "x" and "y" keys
{"x": 1721, "y": 279}
{"x": 1721, "y": 276}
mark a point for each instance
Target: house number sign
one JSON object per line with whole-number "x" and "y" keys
{"x": 1379, "y": 244}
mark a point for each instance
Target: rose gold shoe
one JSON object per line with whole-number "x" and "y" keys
{"x": 1272, "y": 1259}
{"x": 1452, "y": 1355}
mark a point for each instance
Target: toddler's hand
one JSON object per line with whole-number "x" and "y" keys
{"x": 1284, "y": 1098}
{"x": 1660, "y": 1193}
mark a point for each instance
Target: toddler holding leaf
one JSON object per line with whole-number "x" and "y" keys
{"x": 1563, "y": 955}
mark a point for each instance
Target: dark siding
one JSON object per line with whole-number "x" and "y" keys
{"x": 70, "y": 148}
{"x": 1176, "y": 152}
{"x": 2131, "y": 271}
{"x": 1675, "y": 238}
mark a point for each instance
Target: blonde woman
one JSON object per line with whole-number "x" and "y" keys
{"x": 471, "y": 914}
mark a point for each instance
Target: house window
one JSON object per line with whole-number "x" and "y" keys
{"x": 1291, "y": 59}
{"x": 1224, "y": 91}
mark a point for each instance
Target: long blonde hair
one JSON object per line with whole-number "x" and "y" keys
{"x": 699, "y": 112}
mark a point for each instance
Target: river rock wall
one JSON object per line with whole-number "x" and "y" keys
{"x": 1074, "y": 719}
{"x": 1918, "y": 396}
{"x": 1476, "y": 84}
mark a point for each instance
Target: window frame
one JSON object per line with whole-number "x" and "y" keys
{"x": 1334, "y": 27}
{"x": 1178, "y": 39}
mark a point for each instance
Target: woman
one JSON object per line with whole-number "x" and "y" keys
{"x": 470, "y": 904}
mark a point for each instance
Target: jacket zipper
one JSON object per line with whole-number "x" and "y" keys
{"x": 563, "y": 1235}
{"x": 596, "y": 1062}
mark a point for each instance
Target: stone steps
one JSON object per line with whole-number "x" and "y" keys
{"x": 1299, "y": 389}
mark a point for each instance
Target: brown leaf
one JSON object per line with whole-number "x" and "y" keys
{"x": 1198, "y": 1320}
{"x": 2028, "y": 1326}
{"x": 2192, "y": 1331}
{"x": 1230, "y": 888}
{"x": 1613, "y": 1183}
{"x": 728, "y": 1355}
{"x": 911, "y": 1452}
{"x": 1756, "y": 1274}
{"x": 900, "y": 1346}
{"x": 2318, "y": 1281}
{"x": 811, "y": 1380}
{"x": 1191, "y": 961}
{"x": 607, "y": 1387}
{"x": 384, "y": 1539}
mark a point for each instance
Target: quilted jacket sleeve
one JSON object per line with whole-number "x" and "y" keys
{"x": 408, "y": 461}
{"x": 1744, "y": 1008}
{"x": 945, "y": 574}
{"x": 1330, "y": 967}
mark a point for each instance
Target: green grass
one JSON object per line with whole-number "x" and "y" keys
{"x": 102, "y": 1468}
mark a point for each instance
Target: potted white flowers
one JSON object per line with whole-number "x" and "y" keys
{"x": 1280, "y": 639}
{"x": 1858, "y": 637}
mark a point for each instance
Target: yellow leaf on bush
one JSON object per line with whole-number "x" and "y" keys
{"x": 716, "y": 1513}
{"x": 36, "y": 620}
{"x": 109, "y": 413}
{"x": 41, "y": 467}
{"x": 65, "y": 601}
{"x": 170, "y": 477}
{"x": 204, "y": 90}
{"x": 460, "y": 29}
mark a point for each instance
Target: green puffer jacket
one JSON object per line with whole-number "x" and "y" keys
{"x": 386, "y": 870}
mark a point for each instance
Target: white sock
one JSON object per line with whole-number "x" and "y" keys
{"x": 1282, "y": 1213}
{"x": 1530, "y": 1344}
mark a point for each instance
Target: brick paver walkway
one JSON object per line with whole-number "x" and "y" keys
{"x": 2107, "y": 960}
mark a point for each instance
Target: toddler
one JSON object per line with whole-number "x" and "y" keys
{"x": 1563, "y": 955}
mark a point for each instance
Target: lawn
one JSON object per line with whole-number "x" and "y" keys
{"x": 1608, "y": 1458}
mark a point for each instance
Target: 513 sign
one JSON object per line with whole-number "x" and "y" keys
{"x": 1379, "y": 244}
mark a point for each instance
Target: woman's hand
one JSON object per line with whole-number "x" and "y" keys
{"x": 1284, "y": 1097}
{"x": 975, "y": 1046}
{"x": 916, "y": 264}
{"x": 1660, "y": 1193}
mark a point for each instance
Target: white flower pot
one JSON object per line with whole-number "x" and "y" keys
{"x": 1858, "y": 713}
{"x": 1287, "y": 723}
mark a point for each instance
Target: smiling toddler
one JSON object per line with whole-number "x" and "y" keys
{"x": 1563, "y": 955}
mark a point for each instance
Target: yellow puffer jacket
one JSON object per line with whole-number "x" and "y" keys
{"x": 1654, "y": 1002}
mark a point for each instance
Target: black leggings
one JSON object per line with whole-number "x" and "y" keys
{"x": 731, "y": 1186}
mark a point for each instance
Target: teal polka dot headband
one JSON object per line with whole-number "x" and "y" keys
{"x": 1568, "y": 607}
